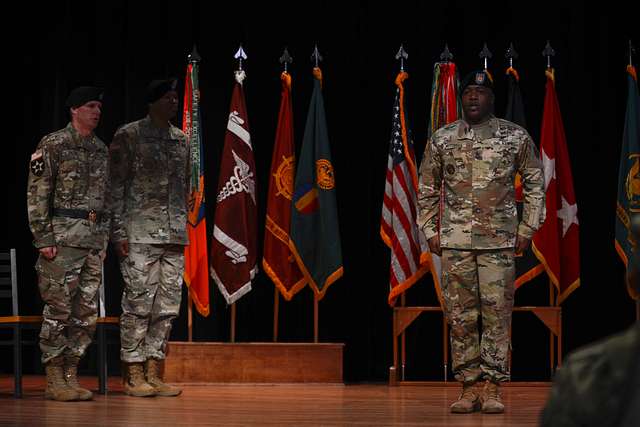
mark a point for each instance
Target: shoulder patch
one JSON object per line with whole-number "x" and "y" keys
{"x": 37, "y": 163}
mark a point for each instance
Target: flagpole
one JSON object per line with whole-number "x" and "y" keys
{"x": 548, "y": 52}
{"x": 316, "y": 58}
{"x": 485, "y": 54}
{"x": 315, "y": 318}
{"x": 190, "y": 317}
{"x": 276, "y": 310}
{"x": 239, "y": 55}
{"x": 631, "y": 52}
{"x": 193, "y": 59}
{"x": 285, "y": 59}
{"x": 402, "y": 55}
{"x": 233, "y": 322}
{"x": 552, "y": 342}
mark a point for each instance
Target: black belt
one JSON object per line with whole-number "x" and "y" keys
{"x": 92, "y": 215}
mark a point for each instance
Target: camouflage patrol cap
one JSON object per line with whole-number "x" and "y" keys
{"x": 478, "y": 78}
{"x": 83, "y": 94}
{"x": 157, "y": 89}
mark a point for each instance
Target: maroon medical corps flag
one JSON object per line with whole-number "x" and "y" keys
{"x": 277, "y": 260}
{"x": 196, "y": 262}
{"x": 233, "y": 247}
{"x": 398, "y": 227}
{"x": 556, "y": 243}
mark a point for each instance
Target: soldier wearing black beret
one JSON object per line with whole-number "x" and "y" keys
{"x": 467, "y": 211}
{"x": 149, "y": 164}
{"x": 66, "y": 206}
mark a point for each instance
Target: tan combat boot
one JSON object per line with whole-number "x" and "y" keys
{"x": 71, "y": 377}
{"x": 467, "y": 402}
{"x": 57, "y": 388}
{"x": 152, "y": 367}
{"x": 491, "y": 399}
{"x": 134, "y": 383}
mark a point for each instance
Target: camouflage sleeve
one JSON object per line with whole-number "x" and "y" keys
{"x": 106, "y": 210}
{"x": 530, "y": 169}
{"x": 120, "y": 159}
{"x": 429, "y": 184}
{"x": 40, "y": 187}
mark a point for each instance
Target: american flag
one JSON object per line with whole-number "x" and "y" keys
{"x": 398, "y": 226}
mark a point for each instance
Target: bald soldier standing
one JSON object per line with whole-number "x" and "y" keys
{"x": 471, "y": 164}
{"x": 66, "y": 200}
{"x": 149, "y": 160}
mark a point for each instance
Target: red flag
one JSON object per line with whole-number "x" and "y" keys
{"x": 398, "y": 227}
{"x": 233, "y": 247}
{"x": 195, "y": 254}
{"x": 556, "y": 243}
{"x": 278, "y": 261}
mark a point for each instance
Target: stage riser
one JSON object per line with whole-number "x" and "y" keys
{"x": 253, "y": 363}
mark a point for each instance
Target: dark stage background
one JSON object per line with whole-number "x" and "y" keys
{"x": 123, "y": 45}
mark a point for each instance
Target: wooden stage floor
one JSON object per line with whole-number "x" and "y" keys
{"x": 267, "y": 405}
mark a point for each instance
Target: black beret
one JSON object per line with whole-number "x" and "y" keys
{"x": 83, "y": 94}
{"x": 478, "y": 78}
{"x": 157, "y": 89}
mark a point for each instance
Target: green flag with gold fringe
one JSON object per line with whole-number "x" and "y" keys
{"x": 629, "y": 172}
{"x": 315, "y": 235}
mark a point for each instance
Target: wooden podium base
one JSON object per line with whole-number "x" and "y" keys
{"x": 207, "y": 362}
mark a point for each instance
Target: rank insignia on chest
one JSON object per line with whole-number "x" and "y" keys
{"x": 450, "y": 169}
{"x": 37, "y": 163}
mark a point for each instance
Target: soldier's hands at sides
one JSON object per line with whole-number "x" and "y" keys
{"x": 122, "y": 248}
{"x": 49, "y": 252}
{"x": 522, "y": 243}
{"x": 434, "y": 245}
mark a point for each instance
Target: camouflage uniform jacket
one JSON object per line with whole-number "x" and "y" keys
{"x": 149, "y": 184}
{"x": 476, "y": 167}
{"x": 68, "y": 171}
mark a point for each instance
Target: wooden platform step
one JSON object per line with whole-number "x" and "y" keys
{"x": 207, "y": 362}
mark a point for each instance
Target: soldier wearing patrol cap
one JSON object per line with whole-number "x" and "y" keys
{"x": 471, "y": 164}
{"x": 66, "y": 206}
{"x": 149, "y": 162}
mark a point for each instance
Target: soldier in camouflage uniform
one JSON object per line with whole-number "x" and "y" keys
{"x": 66, "y": 199}
{"x": 149, "y": 162}
{"x": 471, "y": 165}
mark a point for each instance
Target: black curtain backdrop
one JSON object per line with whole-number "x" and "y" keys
{"x": 123, "y": 45}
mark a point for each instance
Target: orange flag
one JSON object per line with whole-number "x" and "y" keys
{"x": 278, "y": 261}
{"x": 196, "y": 261}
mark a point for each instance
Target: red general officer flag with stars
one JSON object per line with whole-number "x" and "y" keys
{"x": 557, "y": 242}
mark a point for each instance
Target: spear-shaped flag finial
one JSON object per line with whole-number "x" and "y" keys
{"x": 485, "y": 54}
{"x": 511, "y": 54}
{"x": 315, "y": 56}
{"x": 194, "y": 56}
{"x": 446, "y": 54}
{"x": 402, "y": 55}
{"x": 240, "y": 55}
{"x": 286, "y": 59}
{"x": 548, "y": 52}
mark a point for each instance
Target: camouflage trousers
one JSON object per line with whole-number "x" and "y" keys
{"x": 68, "y": 286}
{"x": 479, "y": 283}
{"x": 151, "y": 299}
